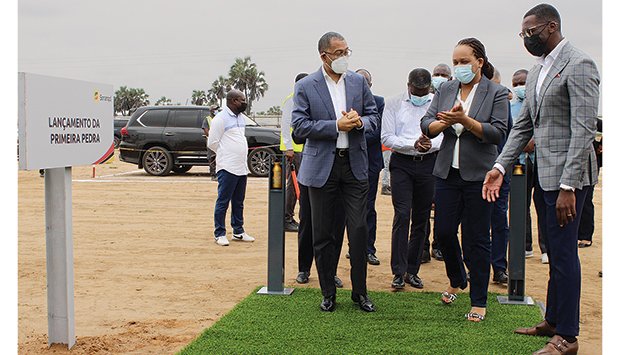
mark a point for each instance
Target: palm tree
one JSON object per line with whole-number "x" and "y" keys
{"x": 244, "y": 76}
{"x": 163, "y": 101}
{"x": 199, "y": 97}
{"x": 127, "y": 100}
{"x": 218, "y": 91}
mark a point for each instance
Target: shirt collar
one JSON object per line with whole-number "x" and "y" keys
{"x": 326, "y": 76}
{"x": 230, "y": 113}
{"x": 542, "y": 60}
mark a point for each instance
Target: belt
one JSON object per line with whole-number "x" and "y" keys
{"x": 417, "y": 157}
{"x": 342, "y": 152}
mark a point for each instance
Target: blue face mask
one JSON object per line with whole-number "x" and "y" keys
{"x": 419, "y": 100}
{"x": 437, "y": 81}
{"x": 519, "y": 91}
{"x": 464, "y": 74}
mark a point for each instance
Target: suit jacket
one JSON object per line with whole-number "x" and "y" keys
{"x": 562, "y": 120}
{"x": 490, "y": 107}
{"x": 373, "y": 141}
{"x": 314, "y": 120}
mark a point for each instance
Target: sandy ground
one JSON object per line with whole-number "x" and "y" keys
{"x": 149, "y": 278}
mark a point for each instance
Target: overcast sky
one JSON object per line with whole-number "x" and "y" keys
{"x": 170, "y": 48}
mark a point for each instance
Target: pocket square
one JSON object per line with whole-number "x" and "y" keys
{"x": 557, "y": 75}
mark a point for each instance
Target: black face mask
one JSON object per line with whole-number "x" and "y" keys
{"x": 242, "y": 107}
{"x": 535, "y": 45}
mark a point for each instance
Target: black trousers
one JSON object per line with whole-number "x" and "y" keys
{"x": 305, "y": 250}
{"x": 542, "y": 238}
{"x": 291, "y": 198}
{"x": 371, "y": 218}
{"x": 413, "y": 187}
{"x": 458, "y": 200}
{"x": 586, "y": 224}
{"x": 353, "y": 194}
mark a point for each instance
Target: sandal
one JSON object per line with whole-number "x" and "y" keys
{"x": 474, "y": 317}
{"x": 584, "y": 243}
{"x": 448, "y": 298}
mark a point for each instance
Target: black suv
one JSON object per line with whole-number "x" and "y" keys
{"x": 119, "y": 123}
{"x": 161, "y": 139}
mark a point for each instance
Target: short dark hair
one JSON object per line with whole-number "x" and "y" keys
{"x": 520, "y": 71}
{"x": 300, "y": 76}
{"x": 326, "y": 40}
{"x": 479, "y": 52}
{"x": 420, "y": 78}
{"x": 545, "y": 12}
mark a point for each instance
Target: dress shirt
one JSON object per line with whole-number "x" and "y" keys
{"x": 400, "y": 125}
{"x": 285, "y": 123}
{"x": 458, "y": 128}
{"x": 227, "y": 140}
{"x": 338, "y": 94}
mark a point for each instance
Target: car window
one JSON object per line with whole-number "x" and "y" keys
{"x": 187, "y": 118}
{"x": 154, "y": 118}
{"x": 249, "y": 122}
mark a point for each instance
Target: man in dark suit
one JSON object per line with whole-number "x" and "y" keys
{"x": 334, "y": 107}
{"x": 375, "y": 164}
{"x": 559, "y": 111}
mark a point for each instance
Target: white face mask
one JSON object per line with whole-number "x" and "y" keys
{"x": 340, "y": 65}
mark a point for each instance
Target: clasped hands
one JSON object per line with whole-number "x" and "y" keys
{"x": 455, "y": 115}
{"x": 422, "y": 144}
{"x": 349, "y": 120}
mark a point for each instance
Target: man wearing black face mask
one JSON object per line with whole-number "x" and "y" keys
{"x": 560, "y": 112}
{"x": 227, "y": 140}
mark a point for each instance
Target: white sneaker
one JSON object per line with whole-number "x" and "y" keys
{"x": 243, "y": 237}
{"x": 529, "y": 253}
{"x": 223, "y": 241}
{"x": 545, "y": 259}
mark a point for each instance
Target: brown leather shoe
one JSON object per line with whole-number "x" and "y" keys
{"x": 542, "y": 329}
{"x": 558, "y": 346}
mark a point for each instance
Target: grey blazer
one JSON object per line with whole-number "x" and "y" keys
{"x": 562, "y": 120}
{"x": 491, "y": 108}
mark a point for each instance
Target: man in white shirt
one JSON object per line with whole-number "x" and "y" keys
{"x": 227, "y": 140}
{"x": 411, "y": 173}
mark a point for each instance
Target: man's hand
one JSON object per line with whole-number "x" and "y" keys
{"x": 348, "y": 121}
{"x": 423, "y": 144}
{"x": 290, "y": 154}
{"x": 565, "y": 210}
{"x": 492, "y": 184}
{"x": 529, "y": 148}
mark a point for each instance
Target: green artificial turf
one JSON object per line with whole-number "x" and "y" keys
{"x": 404, "y": 323}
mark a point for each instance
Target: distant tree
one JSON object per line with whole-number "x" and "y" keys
{"x": 128, "y": 100}
{"x": 274, "y": 110}
{"x": 199, "y": 97}
{"x": 163, "y": 101}
{"x": 218, "y": 90}
{"x": 245, "y": 76}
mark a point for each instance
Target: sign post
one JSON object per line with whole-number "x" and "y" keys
{"x": 62, "y": 123}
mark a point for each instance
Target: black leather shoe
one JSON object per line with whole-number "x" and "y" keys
{"x": 364, "y": 302}
{"x": 436, "y": 253}
{"x": 414, "y": 281}
{"x": 291, "y": 227}
{"x": 302, "y": 277}
{"x": 426, "y": 257}
{"x": 328, "y": 304}
{"x": 500, "y": 277}
{"x": 337, "y": 282}
{"x": 398, "y": 282}
{"x": 372, "y": 259}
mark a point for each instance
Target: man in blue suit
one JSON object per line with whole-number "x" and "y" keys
{"x": 375, "y": 164}
{"x": 334, "y": 108}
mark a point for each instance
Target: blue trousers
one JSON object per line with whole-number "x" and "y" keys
{"x": 459, "y": 201}
{"x": 564, "y": 287}
{"x": 230, "y": 190}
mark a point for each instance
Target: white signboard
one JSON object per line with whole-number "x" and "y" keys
{"x": 64, "y": 122}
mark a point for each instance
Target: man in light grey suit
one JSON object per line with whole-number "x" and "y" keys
{"x": 559, "y": 112}
{"x": 333, "y": 108}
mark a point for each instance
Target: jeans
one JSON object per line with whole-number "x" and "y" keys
{"x": 230, "y": 189}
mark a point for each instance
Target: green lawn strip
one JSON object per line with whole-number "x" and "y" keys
{"x": 405, "y": 322}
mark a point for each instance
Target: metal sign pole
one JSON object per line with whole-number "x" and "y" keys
{"x": 59, "y": 257}
{"x": 516, "y": 250}
{"x": 275, "y": 257}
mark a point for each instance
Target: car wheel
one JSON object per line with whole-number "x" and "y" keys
{"x": 117, "y": 142}
{"x": 259, "y": 160}
{"x": 157, "y": 161}
{"x": 181, "y": 169}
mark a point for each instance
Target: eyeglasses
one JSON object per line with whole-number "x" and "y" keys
{"x": 529, "y": 32}
{"x": 341, "y": 53}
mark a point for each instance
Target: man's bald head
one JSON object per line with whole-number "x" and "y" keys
{"x": 234, "y": 94}
{"x": 235, "y": 100}
{"x": 442, "y": 70}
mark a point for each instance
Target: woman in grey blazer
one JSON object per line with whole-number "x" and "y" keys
{"x": 472, "y": 113}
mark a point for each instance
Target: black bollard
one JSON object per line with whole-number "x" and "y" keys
{"x": 516, "y": 249}
{"x": 275, "y": 245}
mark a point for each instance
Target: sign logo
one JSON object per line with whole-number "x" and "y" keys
{"x": 98, "y": 97}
